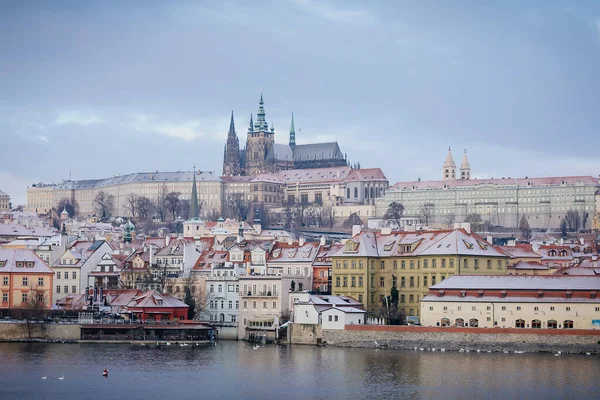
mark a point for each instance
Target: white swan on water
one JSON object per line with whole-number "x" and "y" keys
{"x": 61, "y": 378}
{"x": 44, "y": 377}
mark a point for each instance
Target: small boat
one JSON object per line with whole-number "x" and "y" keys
{"x": 105, "y": 372}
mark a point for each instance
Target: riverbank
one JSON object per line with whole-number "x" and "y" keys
{"x": 451, "y": 338}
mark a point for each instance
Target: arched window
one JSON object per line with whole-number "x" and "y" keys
{"x": 519, "y": 323}
{"x": 459, "y": 322}
{"x": 348, "y": 193}
{"x": 568, "y": 324}
{"x": 371, "y": 192}
{"x": 366, "y": 193}
{"x": 222, "y": 317}
{"x": 552, "y": 324}
{"x": 536, "y": 323}
{"x": 474, "y": 322}
{"x": 356, "y": 193}
{"x": 445, "y": 322}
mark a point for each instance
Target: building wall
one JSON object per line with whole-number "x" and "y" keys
{"x": 343, "y": 319}
{"x": 4, "y": 202}
{"x": 501, "y": 204}
{"x": 12, "y": 288}
{"x": 413, "y": 275}
{"x": 505, "y": 314}
{"x": 42, "y": 198}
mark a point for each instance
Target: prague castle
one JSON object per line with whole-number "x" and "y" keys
{"x": 262, "y": 155}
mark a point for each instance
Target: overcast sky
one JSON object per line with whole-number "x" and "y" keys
{"x": 95, "y": 89}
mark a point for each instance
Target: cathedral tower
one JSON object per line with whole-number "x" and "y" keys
{"x": 449, "y": 169}
{"x": 292, "y": 135}
{"x": 260, "y": 140}
{"x": 465, "y": 168}
{"x": 231, "y": 158}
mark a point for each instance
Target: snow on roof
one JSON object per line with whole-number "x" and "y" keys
{"x": 22, "y": 261}
{"x": 520, "y": 282}
{"x": 513, "y": 182}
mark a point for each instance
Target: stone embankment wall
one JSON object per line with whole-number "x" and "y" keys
{"x": 305, "y": 333}
{"x": 20, "y": 331}
{"x": 483, "y": 339}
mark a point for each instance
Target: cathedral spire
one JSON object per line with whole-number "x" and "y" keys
{"x": 251, "y": 127}
{"x": 232, "y": 126}
{"x": 194, "y": 209}
{"x": 261, "y": 124}
{"x": 292, "y": 134}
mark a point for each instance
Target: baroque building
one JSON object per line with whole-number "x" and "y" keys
{"x": 262, "y": 155}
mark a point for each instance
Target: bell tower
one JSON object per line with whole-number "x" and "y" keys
{"x": 260, "y": 140}
{"x": 465, "y": 168}
{"x": 449, "y": 168}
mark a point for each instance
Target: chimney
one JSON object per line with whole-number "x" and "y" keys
{"x": 489, "y": 239}
{"x": 301, "y": 241}
{"x": 456, "y": 225}
{"x": 386, "y": 230}
{"x": 582, "y": 241}
{"x": 466, "y": 226}
{"x": 150, "y": 257}
{"x": 322, "y": 242}
{"x": 167, "y": 240}
{"x": 290, "y": 241}
{"x": 356, "y": 229}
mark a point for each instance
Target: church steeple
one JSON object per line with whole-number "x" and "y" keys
{"x": 449, "y": 169}
{"x": 261, "y": 124}
{"x": 465, "y": 168}
{"x": 194, "y": 208}
{"x": 231, "y": 157}
{"x": 292, "y": 134}
{"x": 232, "y": 126}
{"x": 251, "y": 127}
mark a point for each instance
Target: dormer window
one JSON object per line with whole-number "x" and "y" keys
{"x": 159, "y": 302}
{"x": 480, "y": 293}
{"x": 441, "y": 293}
{"x": 569, "y": 294}
{"x": 503, "y": 293}
{"x": 19, "y": 264}
{"x": 29, "y": 264}
{"x": 552, "y": 253}
{"x": 463, "y": 293}
{"x": 540, "y": 293}
{"x": 2, "y": 264}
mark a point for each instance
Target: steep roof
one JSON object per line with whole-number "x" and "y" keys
{"x": 511, "y": 182}
{"x": 521, "y": 282}
{"x": 153, "y": 299}
{"x": 27, "y": 260}
{"x": 283, "y": 252}
{"x": 318, "y": 151}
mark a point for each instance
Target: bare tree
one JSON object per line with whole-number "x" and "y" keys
{"x": 34, "y": 308}
{"x": 524, "y": 227}
{"x": 449, "y": 219}
{"x": 352, "y": 220}
{"x": 426, "y": 213}
{"x": 394, "y": 213}
{"x": 328, "y": 215}
{"x": 475, "y": 220}
{"x": 192, "y": 292}
{"x": 144, "y": 207}
{"x": 104, "y": 204}
{"x": 184, "y": 209}
{"x": 572, "y": 218}
{"x": 236, "y": 206}
{"x": 172, "y": 203}
{"x": 131, "y": 204}
{"x": 160, "y": 203}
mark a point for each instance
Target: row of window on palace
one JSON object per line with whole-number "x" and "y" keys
{"x": 411, "y": 263}
{"x": 413, "y": 281}
{"x": 65, "y": 275}
{"x": 503, "y": 308}
{"x": 25, "y": 281}
{"x": 220, "y": 288}
{"x": 24, "y": 297}
{"x": 519, "y": 323}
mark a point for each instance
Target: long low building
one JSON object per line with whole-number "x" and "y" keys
{"x": 42, "y": 197}
{"x": 545, "y": 202}
{"x": 554, "y": 302}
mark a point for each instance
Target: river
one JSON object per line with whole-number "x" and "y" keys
{"x": 234, "y": 370}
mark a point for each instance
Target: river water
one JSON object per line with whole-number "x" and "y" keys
{"x": 234, "y": 370}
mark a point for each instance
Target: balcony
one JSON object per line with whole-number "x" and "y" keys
{"x": 258, "y": 294}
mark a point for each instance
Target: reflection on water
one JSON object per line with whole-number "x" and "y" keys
{"x": 235, "y": 370}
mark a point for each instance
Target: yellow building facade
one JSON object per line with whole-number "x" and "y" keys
{"x": 369, "y": 264}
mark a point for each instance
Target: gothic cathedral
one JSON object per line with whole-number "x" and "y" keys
{"x": 263, "y": 155}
